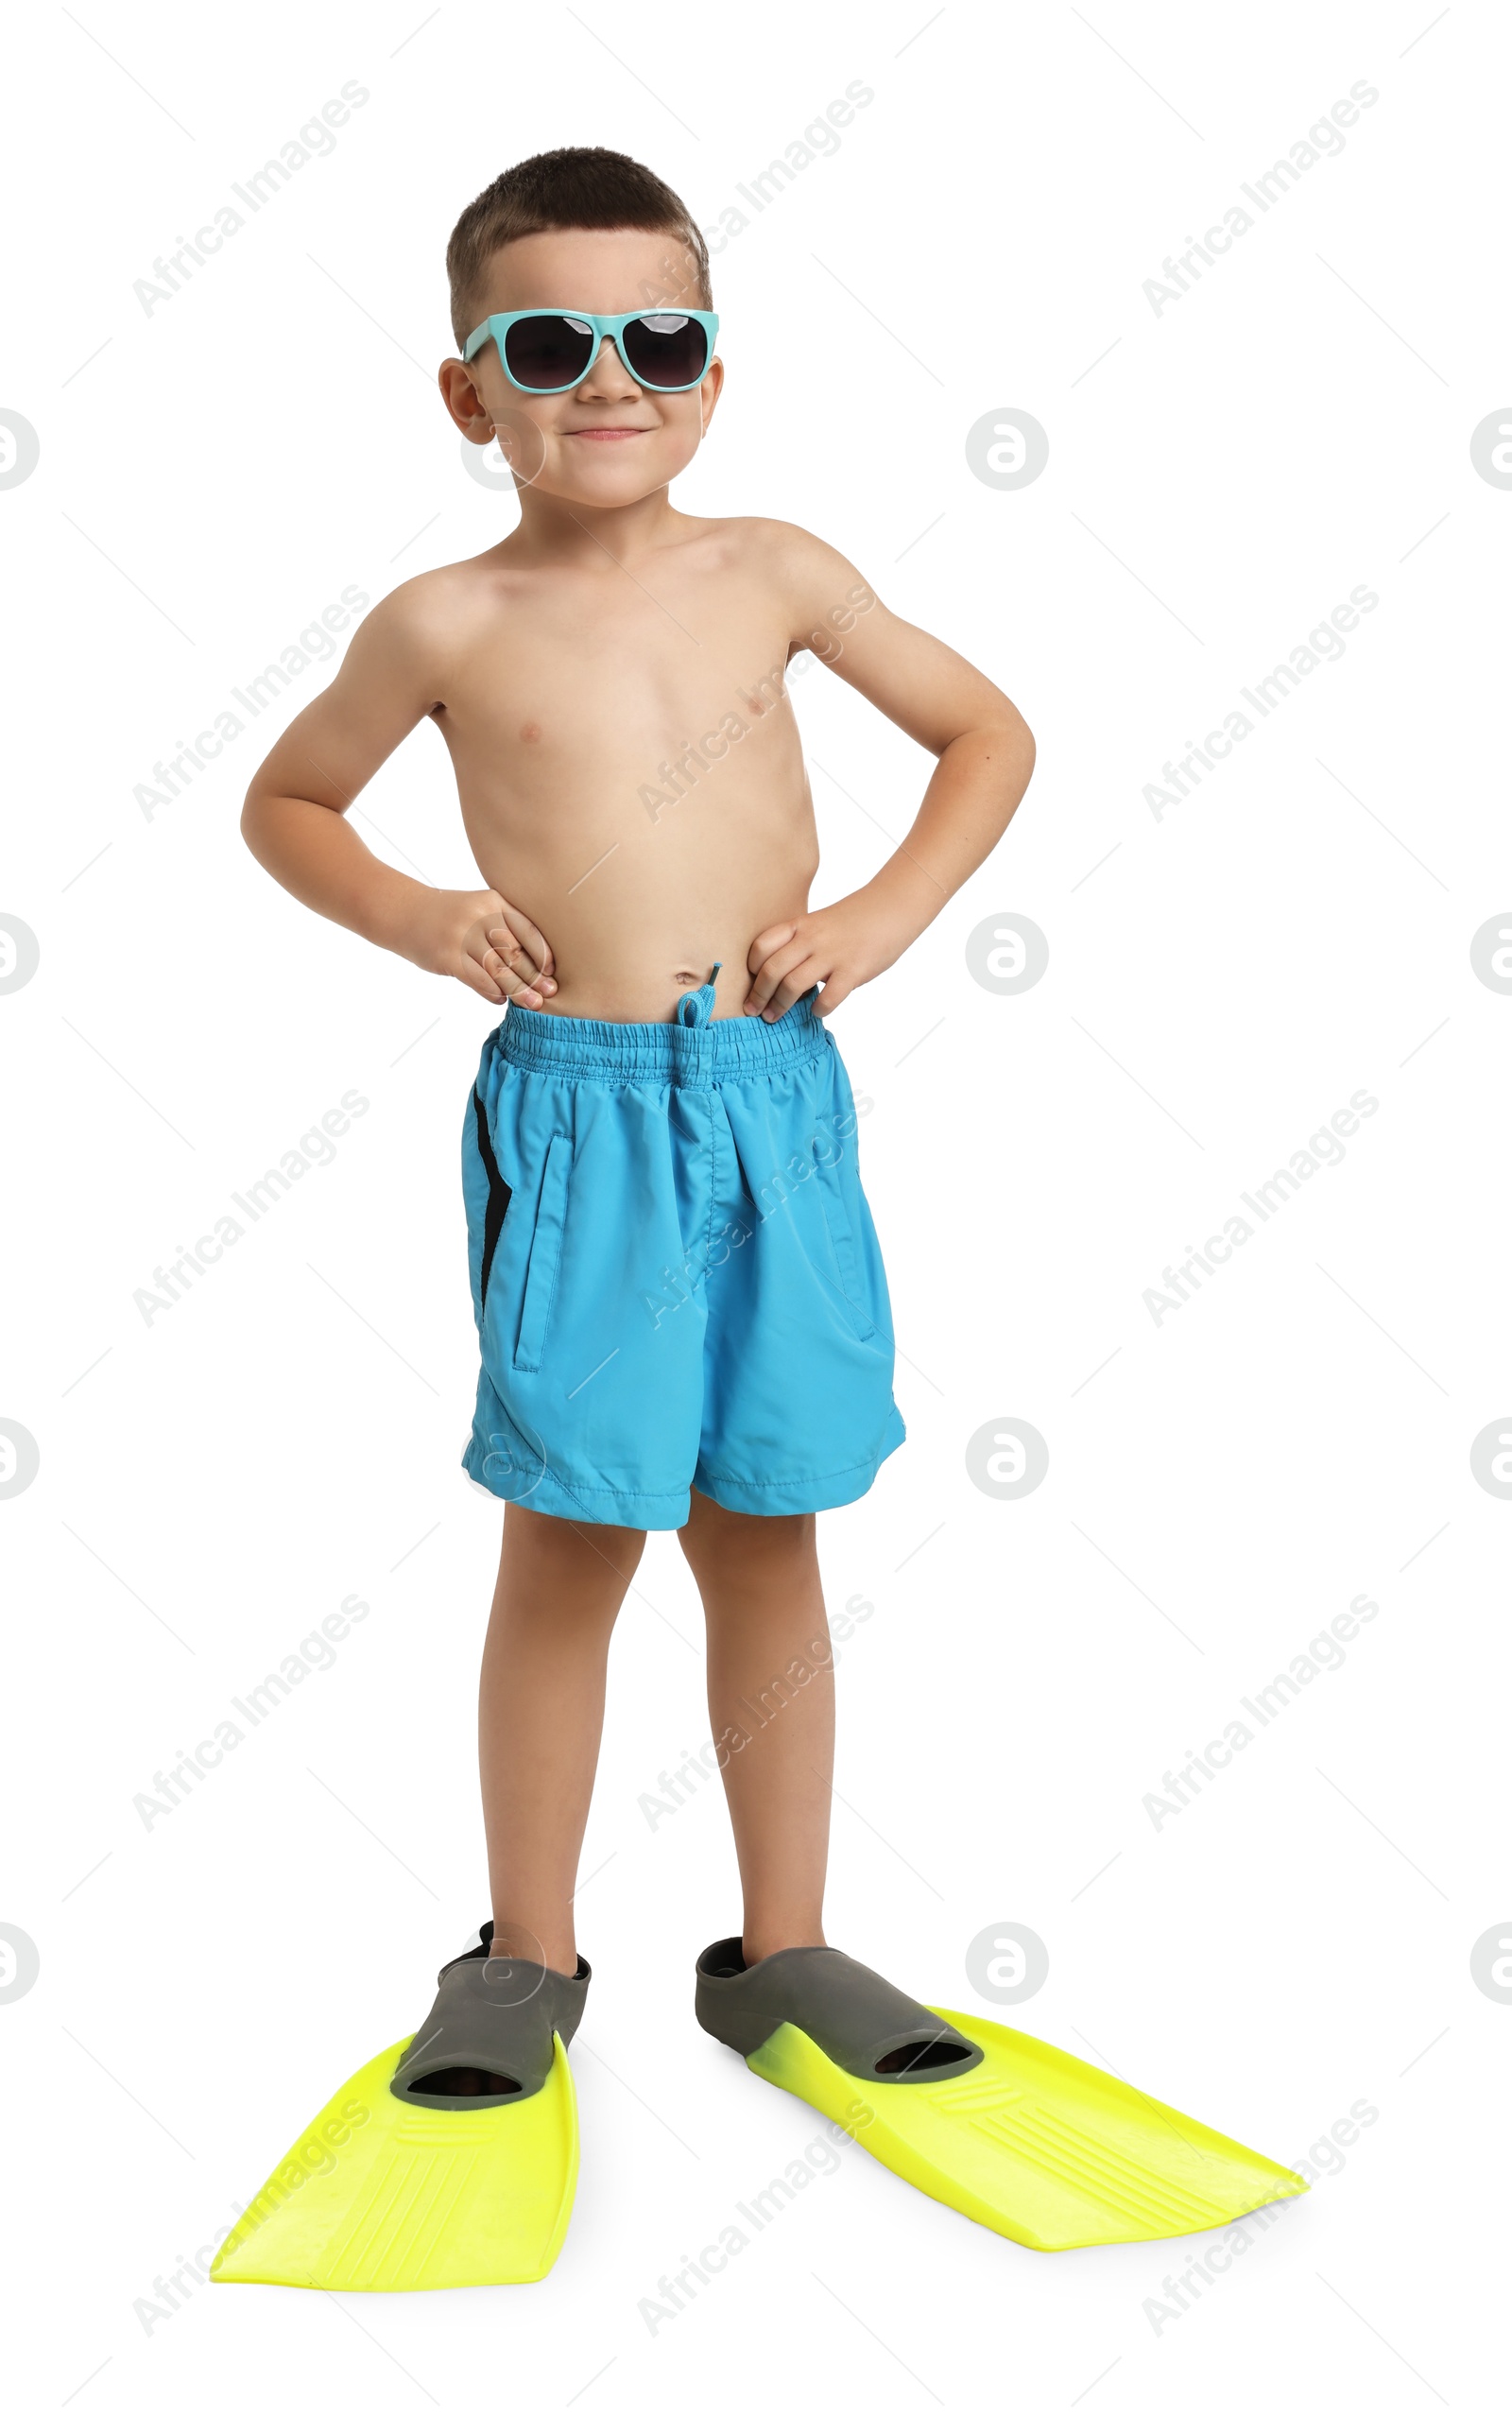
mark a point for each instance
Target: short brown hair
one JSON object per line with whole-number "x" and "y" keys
{"x": 574, "y": 187}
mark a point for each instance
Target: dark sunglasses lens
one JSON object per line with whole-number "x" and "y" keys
{"x": 665, "y": 349}
{"x": 548, "y": 351}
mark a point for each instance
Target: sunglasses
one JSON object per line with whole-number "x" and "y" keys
{"x": 549, "y": 352}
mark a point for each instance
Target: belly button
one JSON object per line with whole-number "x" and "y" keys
{"x": 688, "y": 979}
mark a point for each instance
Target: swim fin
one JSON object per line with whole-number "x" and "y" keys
{"x": 1033, "y": 2143}
{"x": 448, "y": 2162}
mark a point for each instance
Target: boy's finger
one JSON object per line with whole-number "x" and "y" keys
{"x": 772, "y": 971}
{"x": 768, "y": 941}
{"x": 532, "y": 960}
{"x": 523, "y": 930}
{"x": 538, "y": 943}
{"x": 490, "y": 971}
{"x": 503, "y": 941}
{"x": 521, "y": 960}
{"x": 834, "y": 993}
{"x": 793, "y": 985}
{"x": 517, "y": 981}
{"x": 471, "y": 974}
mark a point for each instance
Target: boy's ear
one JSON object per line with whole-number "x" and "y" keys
{"x": 710, "y": 390}
{"x": 521, "y": 443}
{"x": 464, "y": 401}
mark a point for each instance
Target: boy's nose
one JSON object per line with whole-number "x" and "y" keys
{"x": 608, "y": 374}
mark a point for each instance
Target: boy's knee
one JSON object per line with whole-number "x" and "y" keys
{"x": 735, "y": 1540}
{"x": 608, "y": 1547}
{"x": 573, "y": 1548}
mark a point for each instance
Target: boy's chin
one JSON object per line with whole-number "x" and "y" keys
{"x": 609, "y": 475}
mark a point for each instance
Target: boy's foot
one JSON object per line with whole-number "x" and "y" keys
{"x": 489, "y": 2038}
{"x": 860, "y": 2021}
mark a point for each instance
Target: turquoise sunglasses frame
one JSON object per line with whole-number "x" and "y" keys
{"x": 502, "y": 321}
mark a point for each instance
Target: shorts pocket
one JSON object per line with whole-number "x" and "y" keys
{"x": 842, "y": 1240}
{"x": 546, "y": 1254}
{"x": 495, "y": 1203}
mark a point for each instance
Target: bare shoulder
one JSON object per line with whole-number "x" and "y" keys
{"x": 423, "y": 628}
{"x": 793, "y": 552}
{"x": 811, "y": 577}
{"x": 438, "y": 606}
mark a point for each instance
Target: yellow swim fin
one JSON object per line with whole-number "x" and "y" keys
{"x": 1032, "y": 2143}
{"x": 381, "y": 2194}
{"x": 449, "y": 2162}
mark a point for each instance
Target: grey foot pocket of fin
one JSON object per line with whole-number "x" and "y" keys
{"x": 489, "y": 2038}
{"x": 861, "y": 2021}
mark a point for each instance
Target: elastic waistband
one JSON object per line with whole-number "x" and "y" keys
{"x": 691, "y": 1052}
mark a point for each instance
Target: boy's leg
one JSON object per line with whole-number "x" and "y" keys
{"x": 540, "y": 1713}
{"x": 771, "y": 1681}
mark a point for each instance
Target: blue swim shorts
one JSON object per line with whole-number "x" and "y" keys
{"x": 675, "y": 1273}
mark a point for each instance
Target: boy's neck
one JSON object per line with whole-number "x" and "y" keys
{"x": 551, "y": 530}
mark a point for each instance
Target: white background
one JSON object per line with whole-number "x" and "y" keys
{"x": 1221, "y": 1484}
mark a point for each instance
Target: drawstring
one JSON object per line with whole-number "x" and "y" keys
{"x": 695, "y": 1010}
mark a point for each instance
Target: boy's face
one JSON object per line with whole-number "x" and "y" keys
{"x": 608, "y": 441}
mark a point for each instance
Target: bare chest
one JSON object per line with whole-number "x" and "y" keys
{"x": 578, "y": 693}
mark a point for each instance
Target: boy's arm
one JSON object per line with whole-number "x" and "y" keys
{"x": 394, "y": 673}
{"x": 985, "y": 756}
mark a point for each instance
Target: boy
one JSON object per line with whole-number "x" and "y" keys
{"x": 681, "y": 1303}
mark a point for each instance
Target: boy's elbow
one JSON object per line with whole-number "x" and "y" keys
{"x": 259, "y": 822}
{"x": 1007, "y": 745}
{"x": 1009, "y": 735}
